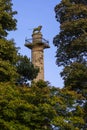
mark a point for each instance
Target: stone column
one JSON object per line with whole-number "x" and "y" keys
{"x": 38, "y": 55}
{"x": 37, "y": 51}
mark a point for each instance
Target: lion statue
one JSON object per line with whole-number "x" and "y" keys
{"x": 38, "y": 29}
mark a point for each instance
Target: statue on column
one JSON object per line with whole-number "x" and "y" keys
{"x": 37, "y": 30}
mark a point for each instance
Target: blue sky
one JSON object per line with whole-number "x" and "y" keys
{"x": 32, "y": 13}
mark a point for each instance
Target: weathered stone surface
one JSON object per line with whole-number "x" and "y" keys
{"x": 37, "y": 51}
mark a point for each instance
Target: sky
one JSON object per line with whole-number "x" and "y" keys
{"x": 31, "y": 14}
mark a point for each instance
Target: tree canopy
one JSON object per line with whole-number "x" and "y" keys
{"x": 7, "y": 20}
{"x": 71, "y": 42}
{"x": 12, "y": 64}
{"x": 40, "y": 107}
{"x": 8, "y": 51}
{"x": 75, "y": 76}
{"x": 26, "y": 70}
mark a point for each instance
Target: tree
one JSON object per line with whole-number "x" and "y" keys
{"x": 71, "y": 45}
{"x": 26, "y": 69}
{"x": 25, "y": 108}
{"x": 75, "y": 77}
{"x": 39, "y": 107}
{"x": 7, "y": 72}
{"x": 70, "y": 113}
{"x": 7, "y": 21}
{"x": 71, "y": 42}
{"x": 8, "y": 59}
{"x": 12, "y": 65}
{"x": 8, "y": 51}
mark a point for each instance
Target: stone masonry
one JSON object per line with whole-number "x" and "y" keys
{"x": 37, "y": 46}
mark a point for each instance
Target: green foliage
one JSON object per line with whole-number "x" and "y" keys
{"x": 11, "y": 63}
{"x": 8, "y": 59}
{"x": 70, "y": 114}
{"x": 7, "y": 22}
{"x": 8, "y": 51}
{"x": 36, "y": 107}
{"x": 71, "y": 53}
{"x": 71, "y": 42}
{"x": 7, "y": 72}
{"x": 26, "y": 69}
{"x": 75, "y": 76}
{"x": 27, "y": 108}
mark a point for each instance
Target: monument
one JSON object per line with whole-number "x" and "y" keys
{"x": 37, "y": 44}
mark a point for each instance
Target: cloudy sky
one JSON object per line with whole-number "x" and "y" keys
{"x": 32, "y": 13}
